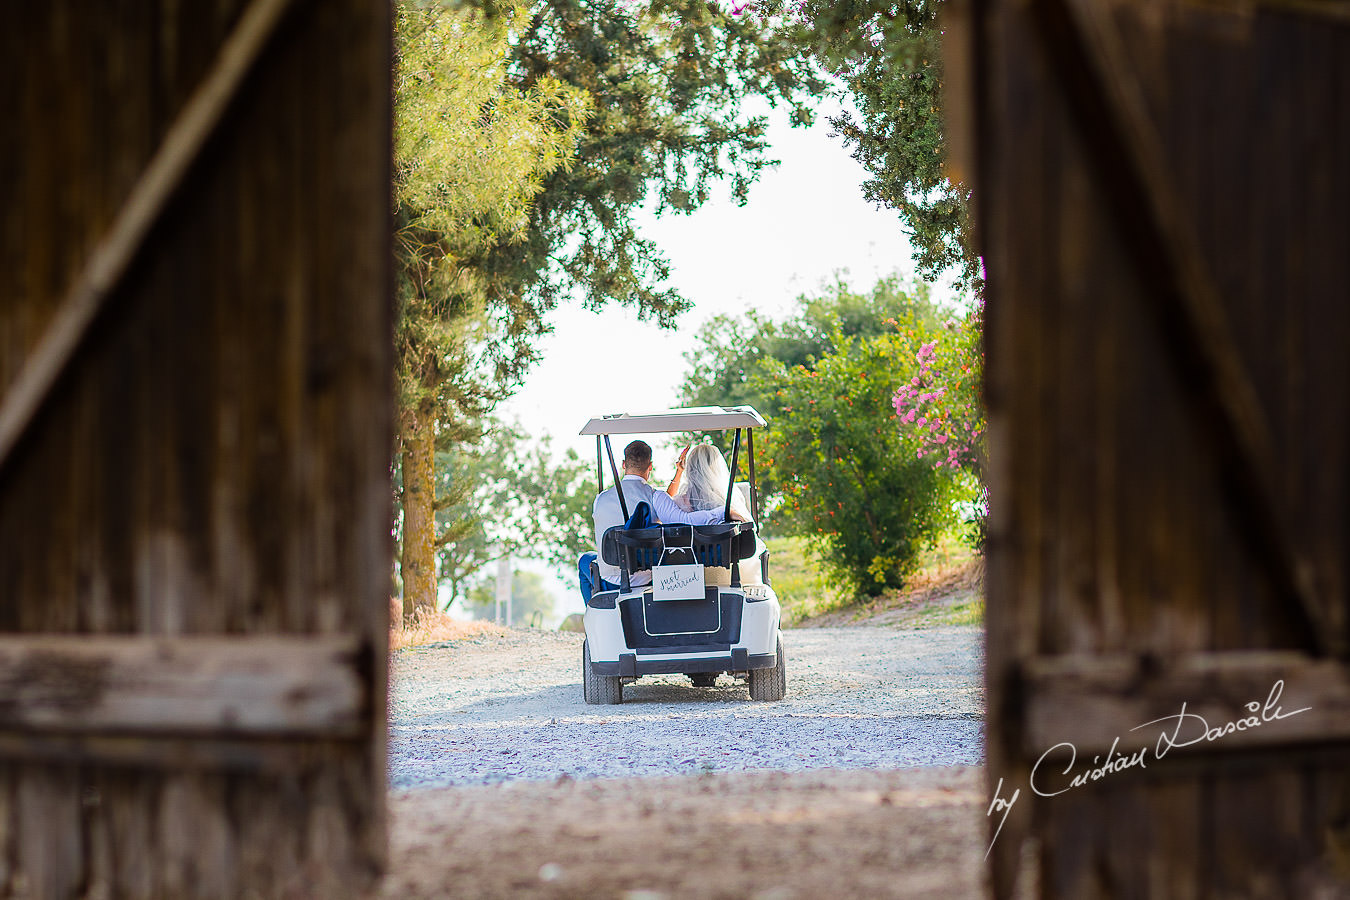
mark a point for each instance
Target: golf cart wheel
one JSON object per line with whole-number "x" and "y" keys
{"x": 704, "y": 679}
{"x": 599, "y": 689}
{"x": 770, "y": 684}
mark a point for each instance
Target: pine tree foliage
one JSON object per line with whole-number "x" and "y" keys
{"x": 667, "y": 81}
{"x": 527, "y": 138}
{"x": 889, "y": 57}
{"x": 471, "y": 152}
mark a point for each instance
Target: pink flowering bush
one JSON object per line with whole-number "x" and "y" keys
{"x": 847, "y": 477}
{"x": 941, "y": 406}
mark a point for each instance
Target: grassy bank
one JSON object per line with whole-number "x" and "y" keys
{"x": 799, "y": 580}
{"x": 947, "y": 588}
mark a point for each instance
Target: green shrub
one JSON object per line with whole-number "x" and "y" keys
{"x": 852, "y": 480}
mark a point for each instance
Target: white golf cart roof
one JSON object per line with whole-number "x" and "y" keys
{"x": 690, "y": 418}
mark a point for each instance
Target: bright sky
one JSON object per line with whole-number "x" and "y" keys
{"x": 804, "y": 221}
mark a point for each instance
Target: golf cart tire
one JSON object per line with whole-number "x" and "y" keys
{"x": 704, "y": 679}
{"x": 598, "y": 689}
{"x": 770, "y": 684}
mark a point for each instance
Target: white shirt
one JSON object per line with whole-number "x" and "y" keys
{"x": 607, "y": 514}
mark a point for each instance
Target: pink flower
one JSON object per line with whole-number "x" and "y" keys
{"x": 923, "y": 420}
{"x": 927, "y": 350}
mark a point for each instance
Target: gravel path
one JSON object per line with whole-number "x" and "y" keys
{"x": 492, "y": 710}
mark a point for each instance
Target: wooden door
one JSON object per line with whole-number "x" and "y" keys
{"x": 195, "y": 432}
{"x": 1163, "y": 191}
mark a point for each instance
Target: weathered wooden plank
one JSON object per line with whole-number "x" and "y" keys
{"x": 129, "y": 808}
{"x": 50, "y": 843}
{"x": 210, "y": 686}
{"x": 1011, "y": 159}
{"x": 169, "y": 484}
{"x": 1076, "y": 615}
{"x": 8, "y": 830}
{"x": 1175, "y": 821}
{"x": 196, "y": 839}
{"x": 1323, "y": 319}
{"x": 1094, "y": 702}
{"x": 164, "y": 753}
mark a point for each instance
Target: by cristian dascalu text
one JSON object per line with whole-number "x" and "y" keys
{"x": 1182, "y": 729}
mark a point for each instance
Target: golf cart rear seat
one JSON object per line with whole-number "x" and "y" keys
{"x": 713, "y": 546}
{"x": 711, "y": 623}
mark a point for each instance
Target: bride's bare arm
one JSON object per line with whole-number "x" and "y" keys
{"x": 679, "y": 473}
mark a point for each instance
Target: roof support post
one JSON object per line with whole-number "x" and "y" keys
{"x": 731, "y": 485}
{"x": 754, "y": 494}
{"x": 599, "y": 467}
{"x": 618, "y": 482}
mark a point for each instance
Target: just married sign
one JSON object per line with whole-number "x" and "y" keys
{"x": 677, "y": 582}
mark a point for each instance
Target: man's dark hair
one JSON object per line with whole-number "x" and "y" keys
{"x": 638, "y": 455}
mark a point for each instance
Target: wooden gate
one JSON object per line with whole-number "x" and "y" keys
{"x": 1163, "y": 190}
{"x": 194, "y": 443}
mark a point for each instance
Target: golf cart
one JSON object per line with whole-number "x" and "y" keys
{"x": 697, "y": 615}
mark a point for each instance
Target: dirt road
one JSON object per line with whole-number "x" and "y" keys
{"x": 808, "y": 797}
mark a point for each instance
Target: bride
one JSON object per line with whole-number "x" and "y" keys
{"x": 700, "y": 482}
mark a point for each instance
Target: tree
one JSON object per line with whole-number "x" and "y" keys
{"x": 835, "y": 464}
{"x": 529, "y": 596}
{"x": 665, "y": 84}
{"x": 889, "y": 56}
{"x": 471, "y": 152}
{"x": 850, "y": 479}
{"x": 542, "y": 507}
{"x": 729, "y": 365}
{"x": 667, "y": 80}
{"x": 519, "y": 502}
{"x": 943, "y": 403}
{"x": 943, "y": 406}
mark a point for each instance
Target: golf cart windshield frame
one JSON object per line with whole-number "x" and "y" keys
{"x": 704, "y": 418}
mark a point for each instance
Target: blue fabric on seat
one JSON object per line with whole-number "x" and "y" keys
{"x": 584, "y": 571}
{"x": 641, "y": 518}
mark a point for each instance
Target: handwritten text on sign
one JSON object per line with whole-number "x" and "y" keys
{"x": 677, "y": 582}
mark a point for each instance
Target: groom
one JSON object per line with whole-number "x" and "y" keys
{"x": 637, "y": 468}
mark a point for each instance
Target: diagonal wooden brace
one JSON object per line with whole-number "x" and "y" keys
{"x": 1083, "y": 45}
{"x": 114, "y": 253}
